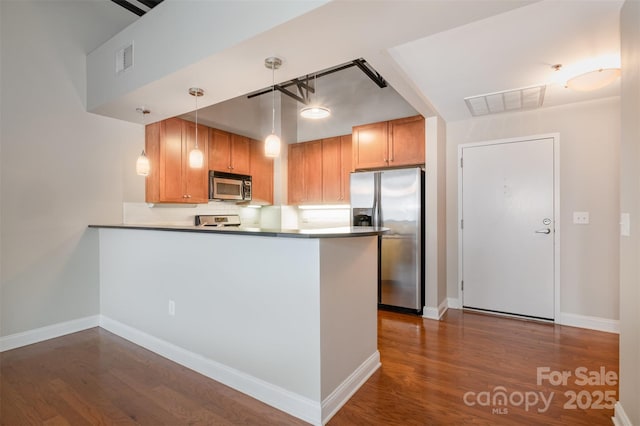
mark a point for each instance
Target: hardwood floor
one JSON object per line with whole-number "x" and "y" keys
{"x": 95, "y": 377}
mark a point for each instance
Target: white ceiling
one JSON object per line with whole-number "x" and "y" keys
{"x": 513, "y": 50}
{"x": 433, "y": 53}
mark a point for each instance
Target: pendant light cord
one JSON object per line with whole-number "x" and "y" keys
{"x": 273, "y": 98}
{"x": 196, "y": 147}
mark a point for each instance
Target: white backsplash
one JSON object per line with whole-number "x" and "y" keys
{"x": 176, "y": 214}
{"x": 323, "y": 218}
{"x": 270, "y": 217}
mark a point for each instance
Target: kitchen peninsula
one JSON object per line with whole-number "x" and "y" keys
{"x": 286, "y": 316}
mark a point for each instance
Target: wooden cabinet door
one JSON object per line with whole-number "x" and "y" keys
{"x": 240, "y": 161}
{"x": 195, "y": 180}
{"x": 171, "y": 161}
{"x": 152, "y": 149}
{"x": 313, "y": 172}
{"x": 261, "y": 172}
{"x": 219, "y": 150}
{"x": 370, "y": 148}
{"x": 346, "y": 160}
{"x": 332, "y": 170}
{"x": 295, "y": 184}
{"x": 407, "y": 141}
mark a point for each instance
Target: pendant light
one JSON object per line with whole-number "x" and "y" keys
{"x": 272, "y": 142}
{"x": 196, "y": 157}
{"x": 315, "y": 112}
{"x": 142, "y": 164}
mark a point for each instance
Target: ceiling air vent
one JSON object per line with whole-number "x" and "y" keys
{"x": 507, "y": 101}
{"x": 124, "y": 58}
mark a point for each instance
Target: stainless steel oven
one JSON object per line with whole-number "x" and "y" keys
{"x": 229, "y": 186}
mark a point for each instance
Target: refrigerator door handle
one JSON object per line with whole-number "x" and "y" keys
{"x": 376, "y": 219}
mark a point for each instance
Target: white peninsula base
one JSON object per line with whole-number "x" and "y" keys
{"x": 289, "y": 321}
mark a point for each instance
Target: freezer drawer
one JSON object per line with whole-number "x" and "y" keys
{"x": 400, "y": 272}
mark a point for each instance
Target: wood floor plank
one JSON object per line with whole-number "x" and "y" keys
{"x": 95, "y": 377}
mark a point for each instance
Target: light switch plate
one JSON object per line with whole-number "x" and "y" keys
{"x": 625, "y": 225}
{"x": 581, "y": 218}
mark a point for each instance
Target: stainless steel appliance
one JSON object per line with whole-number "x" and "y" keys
{"x": 394, "y": 199}
{"x": 218, "y": 220}
{"x": 229, "y": 186}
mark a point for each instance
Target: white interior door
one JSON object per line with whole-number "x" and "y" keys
{"x": 508, "y": 227}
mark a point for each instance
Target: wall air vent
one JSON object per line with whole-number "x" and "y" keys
{"x": 507, "y": 101}
{"x": 124, "y": 58}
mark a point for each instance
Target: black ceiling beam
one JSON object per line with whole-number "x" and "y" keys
{"x": 291, "y": 94}
{"x": 150, "y": 3}
{"x": 304, "y": 87}
{"x": 130, "y": 7}
{"x": 374, "y": 76}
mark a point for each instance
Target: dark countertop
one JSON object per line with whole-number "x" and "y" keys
{"x": 342, "y": 232}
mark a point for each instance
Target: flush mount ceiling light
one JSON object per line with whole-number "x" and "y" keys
{"x": 196, "y": 157}
{"x": 142, "y": 164}
{"x": 315, "y": 112}
{"x": 507, "y": 101}
{"x": 272, "y": 142}
{"x": 593, "y": 80}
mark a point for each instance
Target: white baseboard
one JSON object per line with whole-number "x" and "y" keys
{"x": 282, "y": 399}
{"x": 620, "y": 418}
{"x": 346, "y": 389}
{"x": 454, "y": 303}
{"x": 435, "y": 313}
{"x": 37, "y": 335}
{"x": 593, "y": 323}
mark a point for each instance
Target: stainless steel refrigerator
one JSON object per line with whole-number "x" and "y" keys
{"x": 394, "y": 199}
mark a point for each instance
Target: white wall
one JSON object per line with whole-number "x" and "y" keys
{"x": 435, "y": 218}
{"x": 630, "y": 203}
{"x": 62, "y": 168}
{"x": 589, "y": 161}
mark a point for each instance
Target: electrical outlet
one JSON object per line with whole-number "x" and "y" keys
{"x": 172, "y": 308}
{"x": 581, "y": 218}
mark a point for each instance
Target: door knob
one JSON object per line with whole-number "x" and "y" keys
{"x": 543, "y": 231}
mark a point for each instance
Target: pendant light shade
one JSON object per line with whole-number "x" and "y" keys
{"x": 196, "y": 157}
{"x": 143, "y": 165}
{"x": 272, "y": 142}
{"x": 272, "y": 145}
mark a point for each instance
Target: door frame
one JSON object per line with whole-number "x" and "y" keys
{"x": 556, "y": 211}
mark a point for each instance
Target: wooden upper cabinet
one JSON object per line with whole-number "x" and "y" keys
{"x": 219, "y": 150}
{"x": 370, "y": 145}
{"x": 171, "y": 179}
{"x": 313, "y": 172}
{"x": 295, "y": 184}
{"x": 229, "y": 152}
{"x": 305, "y": 173}
{"x": 240, "y": 154}
{"x": 347, "y": 165}
{"x": 336, "y": 168}
{"x": 392, "y": 143}
{"x": 261, "y": 172}
{"x": 407, "y": 141}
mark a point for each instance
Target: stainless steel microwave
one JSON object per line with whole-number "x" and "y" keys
{"x": 229, "y": 186}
